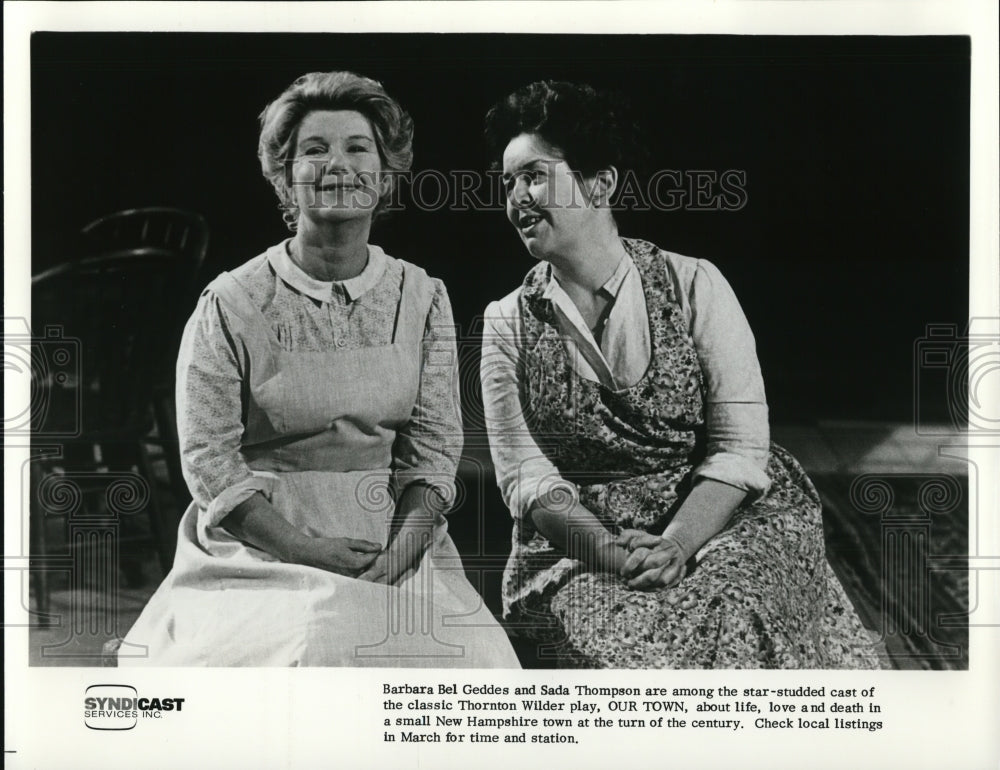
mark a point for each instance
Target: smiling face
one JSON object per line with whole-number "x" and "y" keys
{"x": 547, "y": 202}
{"x": 336, "y": 169}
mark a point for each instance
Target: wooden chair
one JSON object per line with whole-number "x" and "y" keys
{"x": 118, "y": 309}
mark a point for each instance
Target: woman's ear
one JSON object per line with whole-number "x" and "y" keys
{"x": 605, "y": 184}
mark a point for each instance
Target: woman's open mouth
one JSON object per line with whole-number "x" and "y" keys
{"x": 526, "y": 223}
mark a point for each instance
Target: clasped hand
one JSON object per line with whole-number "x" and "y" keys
{"x": 343, "y": 555}
{"x": 653, "y": 561}
{"x": 364, "y": 559}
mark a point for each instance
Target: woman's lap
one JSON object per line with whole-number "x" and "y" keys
{"x": 761, "y": 596}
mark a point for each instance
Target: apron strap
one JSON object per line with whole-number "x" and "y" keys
{"x": 231, "y": 291}
{"x": 417, "y": 294}
{"x": 414, "y": 305}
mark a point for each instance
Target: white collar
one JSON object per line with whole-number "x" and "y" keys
{"x": 301, "y": 281}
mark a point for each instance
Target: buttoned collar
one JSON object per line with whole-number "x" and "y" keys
{"x": 301, "y": 281}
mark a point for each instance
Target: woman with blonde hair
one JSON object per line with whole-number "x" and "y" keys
{"x": 319, "y": 427}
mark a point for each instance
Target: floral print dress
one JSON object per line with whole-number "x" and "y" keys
{"x": 761, "y": 593}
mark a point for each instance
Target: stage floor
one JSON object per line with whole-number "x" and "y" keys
{"x": 895, "y": 515}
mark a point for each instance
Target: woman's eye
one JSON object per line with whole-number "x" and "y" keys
{"x": 525, "y": 177}
{"x": 314, "y": 150}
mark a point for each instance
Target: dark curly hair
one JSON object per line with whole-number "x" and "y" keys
{"x": 279, "y": 123}
{"x": 590, "y": 128}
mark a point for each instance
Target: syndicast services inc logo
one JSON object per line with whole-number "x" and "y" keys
{"x": 120, "y": 707}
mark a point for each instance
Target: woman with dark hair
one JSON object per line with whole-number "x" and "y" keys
{"x": 319, "y": 426}
{"x": 654, "y": 523}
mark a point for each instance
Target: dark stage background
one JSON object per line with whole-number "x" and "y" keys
{"x": 854, "y": 235}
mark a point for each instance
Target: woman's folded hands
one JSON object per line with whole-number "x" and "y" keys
{"x": 343, "y": 555}
{"x": 403, "y": 552}
{"x": 659, "y": 561}
{"x": 653, "y": 561}
{"x": 420, "y": 509}
{"x": 256, "y": 522}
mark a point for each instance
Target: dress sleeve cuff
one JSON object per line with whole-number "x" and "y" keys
{"x": 552, "y": 491}
{"x": 735, "y": 470}
{"x": 221, "y": 506}
{"x": 440, "y": 489}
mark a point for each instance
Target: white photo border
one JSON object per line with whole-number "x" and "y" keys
{"x": 300, "y": 718}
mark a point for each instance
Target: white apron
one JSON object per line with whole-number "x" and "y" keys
{"x": 322, "y": 425}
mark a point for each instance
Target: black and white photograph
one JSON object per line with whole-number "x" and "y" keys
{"x": 451, "y": 362}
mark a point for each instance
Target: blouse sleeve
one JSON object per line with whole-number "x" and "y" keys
{"x": 427, "y": 449}
{"x": 524, "y": 473}
{"x": 210, "y": 369}
{"x": 735, "y": 404}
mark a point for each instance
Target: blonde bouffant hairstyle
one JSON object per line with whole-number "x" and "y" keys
{"x": 280, "y": 120}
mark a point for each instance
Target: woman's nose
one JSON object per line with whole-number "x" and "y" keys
{"x": 335, "y": 162}
{"x": 520, "y": 193}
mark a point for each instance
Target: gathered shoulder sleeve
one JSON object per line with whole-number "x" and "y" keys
{"x": 211, "y": 367}
{"x": 427, "y": 449}
{"x": 738, "y": 436}
{"x": 524, "y": 474}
